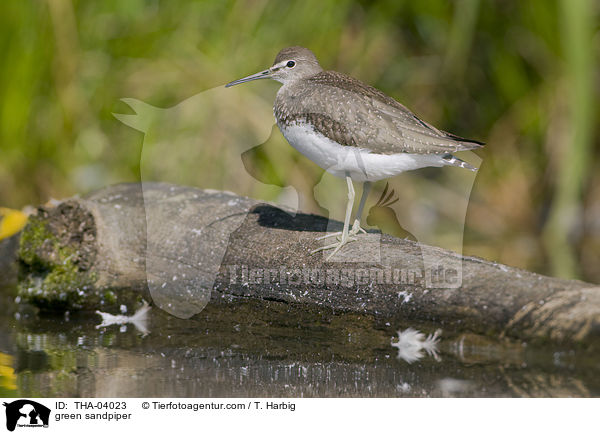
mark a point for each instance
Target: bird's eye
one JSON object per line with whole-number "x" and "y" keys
{"x": 291, "y": 64}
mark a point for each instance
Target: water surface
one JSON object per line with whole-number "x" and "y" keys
{"x": 210, "y": 356}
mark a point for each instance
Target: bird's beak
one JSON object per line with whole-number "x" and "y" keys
{"x": 259, "y": 75}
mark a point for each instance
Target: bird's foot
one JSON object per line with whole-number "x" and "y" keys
{"x": 356, "y": 229}
{"x": 335, "y": 246}
{"x": 333, "y": 234}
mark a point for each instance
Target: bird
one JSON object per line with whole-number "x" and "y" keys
{"x": 352, "y": 130}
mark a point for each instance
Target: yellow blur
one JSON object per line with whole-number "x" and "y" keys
{"x": 11, "y": 222}
{"x": 8, "y": 378}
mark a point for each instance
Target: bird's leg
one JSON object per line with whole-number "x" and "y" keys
{"x": 356, "y": 226}
{"x": 345, "y": 235}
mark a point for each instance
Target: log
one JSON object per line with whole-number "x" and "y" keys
{"x": 182, "y": 248}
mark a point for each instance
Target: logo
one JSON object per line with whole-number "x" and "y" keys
{"x": 26, "y": 413}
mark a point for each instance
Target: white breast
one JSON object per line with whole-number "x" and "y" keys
{"x": 360, "y": 164}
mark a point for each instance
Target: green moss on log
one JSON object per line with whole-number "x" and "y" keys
{"x": 49, "y": 277}
{"x": 53, "y": 276}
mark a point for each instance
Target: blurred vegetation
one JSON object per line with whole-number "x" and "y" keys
{"x": 521, "y": 76}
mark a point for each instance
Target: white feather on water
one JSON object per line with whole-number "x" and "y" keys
{"x": 139, "y": 319}
{"x": 411, "y": 344}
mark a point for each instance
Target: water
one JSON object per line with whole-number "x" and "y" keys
{"x": 212, "y": 356}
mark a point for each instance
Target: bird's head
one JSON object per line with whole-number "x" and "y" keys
{"x": 292, "y": 63}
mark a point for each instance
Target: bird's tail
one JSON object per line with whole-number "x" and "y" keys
{"x": 451, "y": 160}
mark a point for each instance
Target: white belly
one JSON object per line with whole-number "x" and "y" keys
{"x": 360, "y": 164}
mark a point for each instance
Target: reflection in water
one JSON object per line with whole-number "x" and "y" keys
{"x": 454, "y": 387}
{"x": 211, "y": 356}
{"x": 8, "y": 379}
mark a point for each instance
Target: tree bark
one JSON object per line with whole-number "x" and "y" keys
{"x": 181, "y": 248}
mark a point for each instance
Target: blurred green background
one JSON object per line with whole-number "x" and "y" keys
{"x": 520, "y": 75}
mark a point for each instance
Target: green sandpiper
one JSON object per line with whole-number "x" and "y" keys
{"x": 352, "y": 130}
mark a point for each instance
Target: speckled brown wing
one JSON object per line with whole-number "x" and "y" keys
{"x": 355, "y": 114}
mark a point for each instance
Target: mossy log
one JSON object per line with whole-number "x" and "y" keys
{"x": 181, "y": 248}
